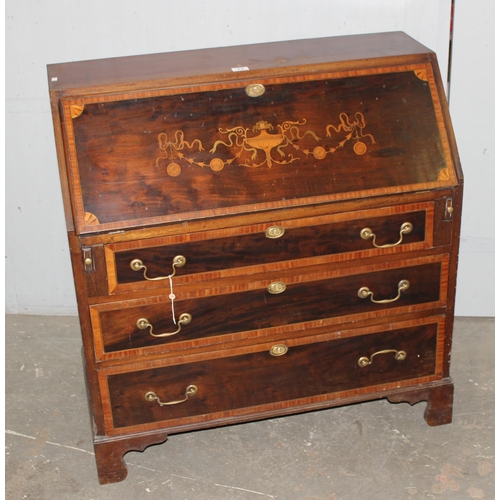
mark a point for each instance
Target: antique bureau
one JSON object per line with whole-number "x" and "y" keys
{"x": 258, "y": 231}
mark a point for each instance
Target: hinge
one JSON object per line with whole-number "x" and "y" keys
{"x": 448, "y": 211}
{"x": 88, "y": 260}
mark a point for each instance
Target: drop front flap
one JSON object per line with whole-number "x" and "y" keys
{"x": 183, "y": 156}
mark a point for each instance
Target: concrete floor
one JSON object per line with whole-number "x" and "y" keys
{"x": 375, "y": 450}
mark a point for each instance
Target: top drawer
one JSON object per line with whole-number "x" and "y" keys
{"x": 147, "y": 264}
{"x": 225, "y": 148}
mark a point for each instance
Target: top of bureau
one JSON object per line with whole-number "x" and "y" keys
{"x": 212, "y": 64}
{"x": 174, "y": 137}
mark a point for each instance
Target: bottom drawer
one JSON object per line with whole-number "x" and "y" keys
{"x": 259, "y": 378}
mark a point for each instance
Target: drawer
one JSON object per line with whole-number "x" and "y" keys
{"x": 147, "y": 264}
{"x": 190, "y": 153}
{"x": 130, "y": 325}
{"x": 208, "y": 388}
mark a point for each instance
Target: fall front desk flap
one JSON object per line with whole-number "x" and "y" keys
{"x": 175, "y": 155}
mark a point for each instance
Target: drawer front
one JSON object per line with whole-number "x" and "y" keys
{"x": 259, "y": 378}
{"x": 249, "y": 249}
{"x": 117, "y": 327}
{"x": 152, "y": 158}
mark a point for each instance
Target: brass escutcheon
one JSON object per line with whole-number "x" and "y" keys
{"x": 255, "y": 89}
{"x": 278, "y": 350}
{"x": 276, "y": 287}
{"x": 274, "y": 232}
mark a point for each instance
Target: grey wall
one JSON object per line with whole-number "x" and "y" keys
{"x": 38, "y": 271}
{"x": 472, "y": 100}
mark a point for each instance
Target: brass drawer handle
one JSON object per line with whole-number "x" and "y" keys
{"x": 138, "y": 265}
{"x": 364, "y": 292}
{"x": 143, "y": 323}
{"x": 364, "y": 361}
{"x": 406, "y": 228}
{"x": 276, "y": 287}
{"x": 275, "y": 232}
{"x": 191, "y": 390}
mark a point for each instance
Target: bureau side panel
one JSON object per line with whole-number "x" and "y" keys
{"x": 62, "y": 159}
{"x": 87, "y": 337}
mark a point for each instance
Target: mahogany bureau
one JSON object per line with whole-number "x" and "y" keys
{"x": 258, "y": 231}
